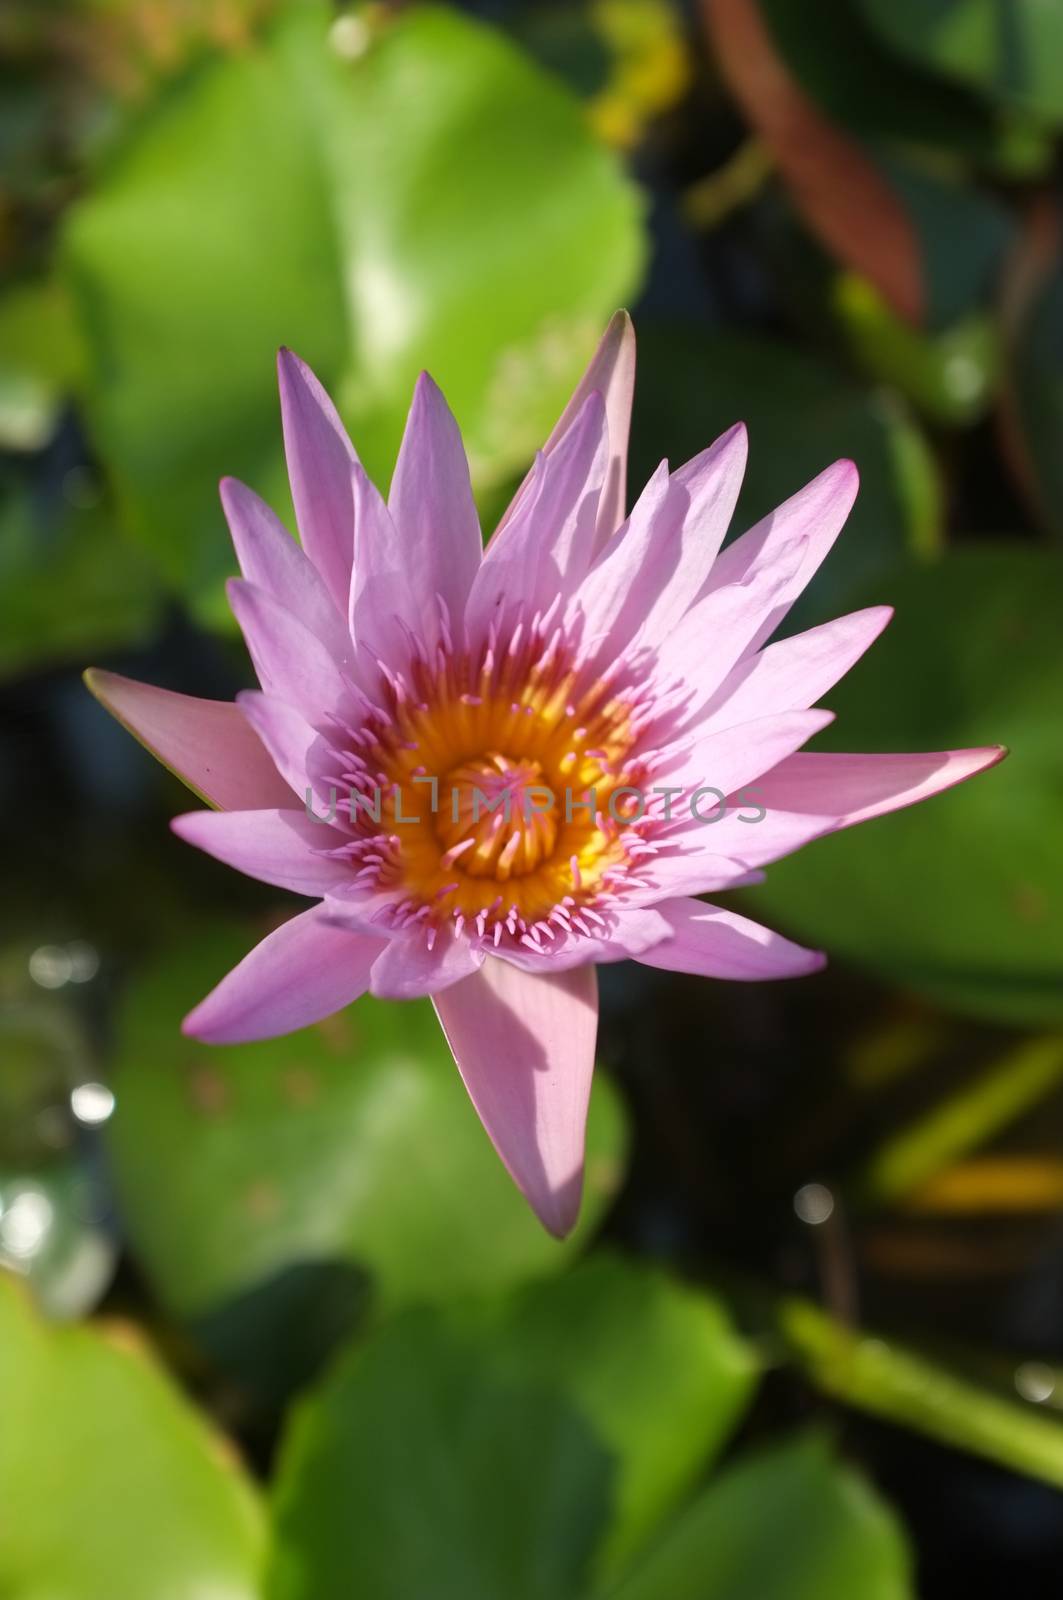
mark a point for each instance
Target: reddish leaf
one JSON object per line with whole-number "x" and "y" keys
{"x": 1029, "y": 397}
{"x": 843, "y": 196}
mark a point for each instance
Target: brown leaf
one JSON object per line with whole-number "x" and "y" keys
{"x": 842, "y": 195}
{"x": 1034, "y": 260}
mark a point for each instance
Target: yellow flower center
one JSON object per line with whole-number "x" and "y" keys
{"x": 497, "y": 817}
{"x": 499, "y": 779}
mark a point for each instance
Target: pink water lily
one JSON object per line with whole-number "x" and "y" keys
{"x": 492, "y": 770}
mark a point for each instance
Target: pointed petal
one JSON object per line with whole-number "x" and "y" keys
{"x": 545, "y": 548}
{"x": 290, "y": 661}
{"x": 816, "y": 513}
{"x": 407, "y": 969}
{"x": 726, "y": 761}
{"x": 710, "y": 486}
{"x": 381, "y": 593}
{"x": 319, "y": 468}
{"x": 718, "y": 629}
{"x": 207, "y": 743}
{"x": 278, "y": 847}
{"x": 524, "y": 1045}
{"x": 613, "y": 596}
{"x": 855, "y": 788}
{"x": 432, "y": 507}
{"x": 691, "y": 870}
{"x": 652, "y": 571}
{"x": 270, "y": 558}
{"x": 287, "y": 736}
{"x": 793, "y": 673}
{"x": 712, "y": 943}
{"x": 302, "y": 972}
{"x": 633, "y": 929}
{"x": 756, "y": 836}
{"x": 812, "y": 793}
{"x": 611, "y": 372}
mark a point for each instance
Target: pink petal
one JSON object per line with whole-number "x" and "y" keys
{"x": 649, "y": 575}
{"x": 613, "y": 596}
{"x": 207, "y": 743}
{"x": 855, "y": 788}
{"x": 813, "y": 793}
{"x": 319, "y": 469}
{"x": 701, "y": 650}
{"x": 632, "y": 930}
{"x": 757, "y": 843}
{"x": 270, "y": 558}
{"x": 712, "y": 943}
{"x": 360, "y": 910}
{"x": 524, "y": 1045}
{"x": 287, "y": 736}
{"x": 795, "y": 672}
{"x": 691, "y": 870}
{"x": 278, "y": 847}
{"x": 728, "y": 760}
{"x": 432, "y": 507}
{"x": 382, "y": 595}
{"x": 612, "y": 373}
{"x": 291, "y": 662}
{"x": 407, "y": 969}
{"x": 816, "y": 513}
{"x": 302, "y": 972}
{"x": 545, "y": 548}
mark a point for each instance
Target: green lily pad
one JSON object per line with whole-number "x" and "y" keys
{"x": 40, "y": 360}
{"x": 258, "y": 1181}
{"x": 788, "y": 1525}
{"x": 112, "y": 1488}
{"x": 372, "y": 199}
{"x": 960, "y": 898}
{"x": 516, "y": 1448}
{"x": 70, "y": 585}
{"x": 1013, "y": 53}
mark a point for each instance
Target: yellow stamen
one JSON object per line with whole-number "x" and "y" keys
{"x": 518, "y": 821}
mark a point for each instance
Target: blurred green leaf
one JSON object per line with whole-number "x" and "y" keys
{"x": 962, "y": 233}
{"x": 508, "y": 1448}
{"x": 70, "y": 585}
{"x": 858, "y": 80}
{"x": 1033, "y": 397}
{"x": 379, "y": 214}
{"x": 1011, "y": 50}
{"x": 45, "y": 1054}
{"x": 112, "y": 1488}
{"x": 963, "y": 1122}
{"x": 51, "y": 1233}
{"x": 694, "y": 383}
{"x": 872, "y": 1374}
{"x": 40, "y": 360}
{"x": 950, "y": 376}
{"x": 960, "y": 898}
{"x": 656, "y": 1368}
{"x": 790, "y": 1524}
{"x": 352, "y": 1143}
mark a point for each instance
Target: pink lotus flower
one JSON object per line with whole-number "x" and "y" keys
{"x": 484, "y": 766}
